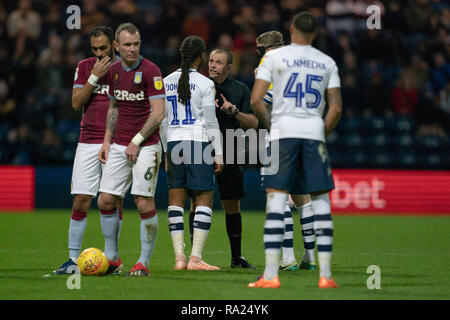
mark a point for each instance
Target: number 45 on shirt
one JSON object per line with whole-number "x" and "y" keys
{"x": 296, "y": 91}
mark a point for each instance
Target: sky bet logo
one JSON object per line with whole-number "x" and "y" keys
{"x": 127, "y": 96}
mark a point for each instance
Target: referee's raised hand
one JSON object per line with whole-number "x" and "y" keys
{"x": 227, "y": 106}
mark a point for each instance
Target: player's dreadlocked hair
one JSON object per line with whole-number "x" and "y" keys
{"x": 191, "y": 48}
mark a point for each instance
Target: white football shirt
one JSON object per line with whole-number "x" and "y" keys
{"x": 300, "y": 75}
{"x": 194, "y": 120}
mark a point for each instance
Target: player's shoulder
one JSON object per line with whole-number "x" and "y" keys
{"x": 116, "y": 64}
{"x": 202, "y": 80}
{"x": 241, "y": 85}
{"x": 148, "y": 64}
{"x": 173, "y": 75}
{"x": 325, "y": 57}
{"x": 88, "y": 62}
{"x": 274, "y": 52}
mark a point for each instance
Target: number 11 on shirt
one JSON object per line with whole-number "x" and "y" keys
{"x": 187, "y": 108}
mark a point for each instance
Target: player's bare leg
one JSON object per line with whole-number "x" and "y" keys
{"x": 177, "y": 198}
{"x": 202, "y": 225}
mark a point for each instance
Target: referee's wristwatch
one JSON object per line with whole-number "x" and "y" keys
{"x": 236, "y": 111}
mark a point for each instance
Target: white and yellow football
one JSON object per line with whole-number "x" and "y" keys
{"x": 92, "y": 261}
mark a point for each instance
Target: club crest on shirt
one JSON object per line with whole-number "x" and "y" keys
{"x": 157, "y": 81}
{"x": 116, "y": 76}
{"x": 138, "y": 77}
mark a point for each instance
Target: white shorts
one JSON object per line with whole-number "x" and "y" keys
{"x": 87, "y": 169}
{"x": 119, "y": 172}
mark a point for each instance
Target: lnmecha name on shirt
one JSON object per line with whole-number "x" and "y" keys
{"x": 304, "y": 63}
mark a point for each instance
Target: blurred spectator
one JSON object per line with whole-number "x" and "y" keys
{"x": 340, "y": 16}
{"x": 7, "y": 104}
{"x": 417, "y": 14}
{"x": 123, "y": 11}
{"x": 48, "y": 149}
{"x": 404, "y": 67}
{"x": 444, "y": 97}
{"x": 270, "y": 18}
{"x": 196, "y": 23}
{"x": 91, "y": 16}
{"x": 440, "y": 73}
{"x": 221, "y": 17}
{"x": 394, "y": 19}
{"x": 377, "y": 96}
{"x": 404, "y": 95}
{"x": 288, "y": 9}
{"x": 24, "y": 22}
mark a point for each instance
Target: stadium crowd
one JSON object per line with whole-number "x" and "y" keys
{"x": 395, "y": 80}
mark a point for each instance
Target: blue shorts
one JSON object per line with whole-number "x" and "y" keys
{"x": 192, "y": 173}
{"x": 298, "y": 186}
{"x": 304, "y": 167}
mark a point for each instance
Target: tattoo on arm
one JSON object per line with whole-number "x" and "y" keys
{"x": 149, "y": 126}
{"x": 111, "y": 118}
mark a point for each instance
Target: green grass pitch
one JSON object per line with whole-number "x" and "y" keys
{"x": 412, "y": 253}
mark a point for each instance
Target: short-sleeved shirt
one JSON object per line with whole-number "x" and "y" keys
{"x": 300, "y": 76}
{"x": 133, "y": 88}
{"x": 188, "y": 122}
{"x": 237, "y": 93}
{"x": 93, "y": 121}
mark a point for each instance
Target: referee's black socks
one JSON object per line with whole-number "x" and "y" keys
{"x": 234, "y": 231}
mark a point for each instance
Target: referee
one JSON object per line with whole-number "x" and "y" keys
{"x": 233, "y": 111}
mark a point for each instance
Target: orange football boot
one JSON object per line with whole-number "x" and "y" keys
{"x": 327, "y": 283}
{"x": 262, "y": 283}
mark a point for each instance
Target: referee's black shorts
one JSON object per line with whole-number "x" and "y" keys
{"x": 231, "y": 182}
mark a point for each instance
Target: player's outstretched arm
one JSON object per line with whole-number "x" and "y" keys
{"x": 153, "y": 122}
{"x": 258, "y": 105}
{"x": 111, "y": 119}
{"x": 335, "y": 109}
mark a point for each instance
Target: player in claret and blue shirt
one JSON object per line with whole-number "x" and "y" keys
{"x": 131, "y": 148}
{"x": 90, "y": 94}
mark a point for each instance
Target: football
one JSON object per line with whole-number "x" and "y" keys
{"x": 92, "y": 261}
